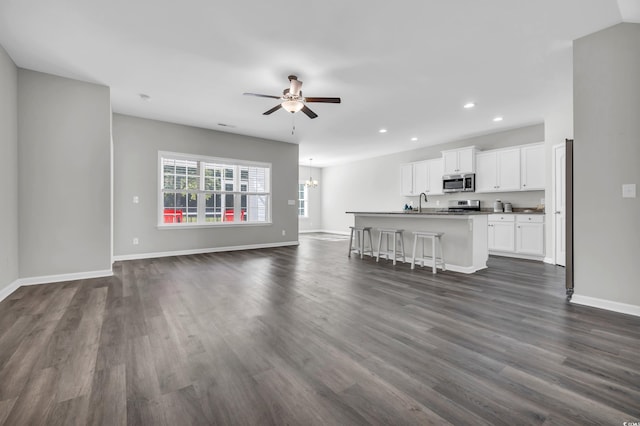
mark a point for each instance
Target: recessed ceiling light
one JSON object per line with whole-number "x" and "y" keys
{"x": 469, "y": 105}
{"x": 414, "y": 139}
{"x": 497, "y": 119}
{"x": 382, "y": 131}
{"x": 144, "y": 97}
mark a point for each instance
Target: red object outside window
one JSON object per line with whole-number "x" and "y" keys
{"x": 172, "y": 216}
{"x": 228, "y": 215}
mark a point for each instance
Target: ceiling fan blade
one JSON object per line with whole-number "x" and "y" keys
{"x": 272, "y": 110}
{"x": 263, "y": 96}
{"x": 309, "y": 113}
{"x": 325, "y": 100}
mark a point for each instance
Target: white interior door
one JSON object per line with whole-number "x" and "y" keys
{"x": 559, "y": 204}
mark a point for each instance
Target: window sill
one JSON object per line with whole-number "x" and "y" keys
{"x": 166, "y": 227}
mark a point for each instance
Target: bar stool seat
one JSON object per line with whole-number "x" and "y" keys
{"x": 359, "y": 246}
{"x": 436, "y": 240}
{"x": 391, "y": 251}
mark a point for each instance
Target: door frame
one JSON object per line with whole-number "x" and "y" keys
{"x": 554, "y": 178}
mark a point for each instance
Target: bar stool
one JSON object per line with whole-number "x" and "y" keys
{"x": 397, "y": 235}
{"x": 359, "y": 246}
{"x": 434, "y": 236}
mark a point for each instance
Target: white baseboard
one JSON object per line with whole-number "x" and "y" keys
{"x": 45, "y": 279}
{"x": 516, "y": 255}
{"x": 138, "y": 256}
{"x": 609, "y": 305}
{"x": 6, "y": 292}
{"x": 549, "y": 260}
{"x": 329, "y": 231}
{"x": 308, "y": 231}
{"x": 428, "y": 266}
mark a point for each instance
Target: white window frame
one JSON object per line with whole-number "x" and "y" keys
{"x": 201, "y": 203}
{"x": 305, "y": 199}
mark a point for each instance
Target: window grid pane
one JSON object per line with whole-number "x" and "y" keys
{"x": 302, "y": 200}
{"x": 231, "y": 193}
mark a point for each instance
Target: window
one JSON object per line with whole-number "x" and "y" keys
{"x": 197, "y": 190}
{"x": 303, "y": 200}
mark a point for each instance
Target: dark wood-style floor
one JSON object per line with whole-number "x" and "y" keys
{"x": 304, "y": 335}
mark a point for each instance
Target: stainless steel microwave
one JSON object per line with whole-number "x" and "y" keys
{"x": 465, "y": 182}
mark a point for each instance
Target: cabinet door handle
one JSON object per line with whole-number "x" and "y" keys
{"x": 558, "y": 212}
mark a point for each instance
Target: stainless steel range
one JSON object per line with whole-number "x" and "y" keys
{"x": 464, "y": 206}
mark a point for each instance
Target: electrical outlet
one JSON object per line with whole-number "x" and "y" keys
{"x": 136, "y": 241}
{"x": 136, "y": 199}
{"x": 284, "y": 232}
{"x": 629, "y": 190}
{"x": 292, "y": 202}
{"x": 437, "y": 202}
{"x": 542, "y": 201}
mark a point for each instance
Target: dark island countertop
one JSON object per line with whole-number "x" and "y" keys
{"x": 429, "y": 212}
{"x": 444, "y": 212}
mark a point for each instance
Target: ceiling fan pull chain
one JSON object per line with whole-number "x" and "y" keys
{"x": 293, "y": 124}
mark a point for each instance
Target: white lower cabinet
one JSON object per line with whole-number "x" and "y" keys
{"x": 516, "y": 235}
{"x": 501, "y": 232}
{"x": 530, "y": 234}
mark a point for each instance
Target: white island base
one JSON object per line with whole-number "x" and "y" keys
{"x": 464, "y": 243}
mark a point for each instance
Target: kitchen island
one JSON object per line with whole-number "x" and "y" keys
{"x": 465, "y": 234}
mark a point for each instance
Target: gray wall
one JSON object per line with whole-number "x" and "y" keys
{"x": 136, "y": 145}
{"x": 374, "y": 184}
{"x": 313, "y": 221}
{"x": 63, "y": 175}
{"x": 9, "y": 268}
{"x": 607, "y": 155}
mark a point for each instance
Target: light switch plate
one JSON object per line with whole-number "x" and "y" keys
{"x": 628, "y": 190}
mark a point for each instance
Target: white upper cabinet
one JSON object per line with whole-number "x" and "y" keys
{"x": 498, "y": 170}
{"x": 486, "y": 172}
{"x": 532, "y": 167}
{"x": 509, "y": 169}
{"x": 516, "y": 168}
{"x": 459, "y": 160}
{"x": 436, "y": 170}
{"x": 406, "y": 179}
{"x": 421, "y": 176}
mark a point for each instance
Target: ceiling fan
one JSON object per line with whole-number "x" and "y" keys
{"x": 293, "y": 101}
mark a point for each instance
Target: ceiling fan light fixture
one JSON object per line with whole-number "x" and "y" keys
{"x": 292, "y": 106}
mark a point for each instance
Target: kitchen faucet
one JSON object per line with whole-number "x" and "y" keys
{"x": 420, "y": 201}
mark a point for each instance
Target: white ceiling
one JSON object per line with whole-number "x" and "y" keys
{"x": 407, "y": 66}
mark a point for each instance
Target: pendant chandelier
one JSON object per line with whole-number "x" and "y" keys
{"x": 310, "y": 183}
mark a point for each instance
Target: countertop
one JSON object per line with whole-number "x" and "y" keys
{"x": 442, "y": 212}
{"x": 518, "y": 211}
{"x": 429, "y": 212}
